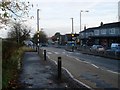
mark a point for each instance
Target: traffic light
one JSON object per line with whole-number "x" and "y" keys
{"x": 72, "y": 35}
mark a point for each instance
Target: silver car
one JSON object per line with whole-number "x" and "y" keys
{"x": 98, "y": 48}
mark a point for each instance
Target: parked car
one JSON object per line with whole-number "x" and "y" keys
{"x": 98, "y": 48}
{"x": 115, "y": 45}
{"x": 114, "y": 50}
{"x": 44, "y": 45}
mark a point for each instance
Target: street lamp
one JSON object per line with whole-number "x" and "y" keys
{"x": 80, "y": 17}
{"x": 72, "y": 26}
{"x": 72, "y": 35}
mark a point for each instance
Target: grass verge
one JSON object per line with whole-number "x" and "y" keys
{"x": 11, "y": 68}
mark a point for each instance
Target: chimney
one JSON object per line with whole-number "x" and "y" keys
{"x": 101, "y": 24}
{"x": 84, "y": 27}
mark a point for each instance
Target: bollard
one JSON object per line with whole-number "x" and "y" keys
{"x": 44, "y": 54}
{"x": 59, "y": 68}
{"x": 38, "y": 49}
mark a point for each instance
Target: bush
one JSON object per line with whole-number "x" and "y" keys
{"x": 11, "y": 55}
{"x": 8, "y": 48}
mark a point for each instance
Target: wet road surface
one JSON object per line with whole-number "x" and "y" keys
{"x": 86, "y": 72}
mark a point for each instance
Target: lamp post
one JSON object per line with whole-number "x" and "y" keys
{"x": 80, "y": 21}
{"x": 80, "y": 18}
{"x": 72, "y": 35}
{"x": 72, "y": 26}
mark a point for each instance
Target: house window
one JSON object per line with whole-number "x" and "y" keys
{"x": 86, "y": 35}
{"x": 112, "y": 31}
{"x": 103, "y": 31}
{"x": 91, "y": 33}
{"x": 96, "y": 32}
{"x": 82, "y": 34}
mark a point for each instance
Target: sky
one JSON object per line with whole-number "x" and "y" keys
{"x": 55, "y": 15}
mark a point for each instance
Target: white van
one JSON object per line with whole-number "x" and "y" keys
{"x": 115, "y": 45}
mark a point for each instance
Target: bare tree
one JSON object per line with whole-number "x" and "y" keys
{"x": 42, "y": 37}
{"x": 19, "y": 33}
{"x": 13, "y": 9}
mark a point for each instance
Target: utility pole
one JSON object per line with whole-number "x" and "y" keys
{"x": 72, "y": 26}
{"x": 80, "y": 20}
{"x": 38, "y": 41}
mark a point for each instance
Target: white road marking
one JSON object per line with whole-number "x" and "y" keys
{"x": 82, "y": 61}
{"x": 113, "y": 72}
{"x": 52, "y": 60}
{"x": 94, "y": 65}
{"x": 71, "y": 75}
{"x": 63, "y": 52}
{"x": 87, "y": 63}
{"x": 76, "y": 79}
{"x": 97, "y": 66}
{"x": 56, "y": 52}
{"x": 49, "y": 53}
{"x": 68, "y": 72}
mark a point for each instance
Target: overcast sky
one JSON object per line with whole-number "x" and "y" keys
{"x": 55, "y": 14}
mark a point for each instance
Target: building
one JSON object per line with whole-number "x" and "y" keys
{"x": 119, "y": 11}
{"x": 103, "y": 35}
{"x": 62, "y": 40}
{"x": 71, "y": 38}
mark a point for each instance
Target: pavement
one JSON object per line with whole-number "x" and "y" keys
{"x": 37, "y": 73}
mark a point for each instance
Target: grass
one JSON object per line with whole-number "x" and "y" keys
{"x": 10, "y": 72}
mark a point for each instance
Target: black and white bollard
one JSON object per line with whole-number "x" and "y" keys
{"x": 44, "y": 54}
{"x": 59, "y": 68}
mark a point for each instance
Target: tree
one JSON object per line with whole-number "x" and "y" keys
{"x": 19, "y": 33}
{"x": 57, "y": 35}
{"x": 13, "y": 9}
{"x": 42, "y": 37}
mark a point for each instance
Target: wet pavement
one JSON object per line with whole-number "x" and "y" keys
{"x": 37, "y": 73}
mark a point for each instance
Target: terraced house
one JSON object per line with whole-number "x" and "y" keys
{"x": 103, "y": 35}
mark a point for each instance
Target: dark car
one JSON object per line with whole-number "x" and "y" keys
{"x": 44, "y": 45}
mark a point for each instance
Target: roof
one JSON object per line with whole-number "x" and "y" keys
{"x": 111, "y": 25}
{"x": 108, "y": 25}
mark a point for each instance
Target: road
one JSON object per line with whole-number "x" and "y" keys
{"x": 93, "y": 71}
